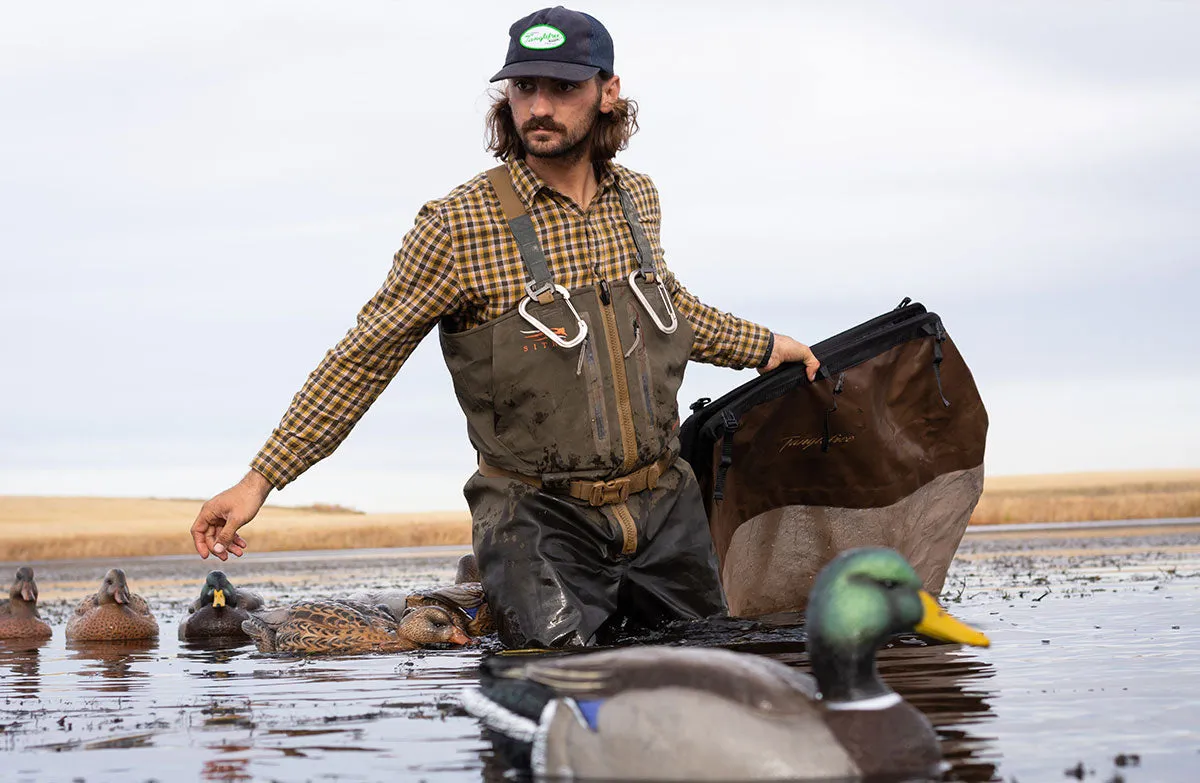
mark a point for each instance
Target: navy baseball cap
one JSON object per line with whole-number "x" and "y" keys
{"x": 558, "y": 43}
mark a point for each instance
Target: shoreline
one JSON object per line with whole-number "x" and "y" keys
{"x": 64, "y": 527}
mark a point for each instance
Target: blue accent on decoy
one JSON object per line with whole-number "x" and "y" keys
{"x": 590, "y": 709}
{"x": 471, "y": 612}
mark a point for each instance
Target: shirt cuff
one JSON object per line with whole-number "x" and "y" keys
{"x": 751, "y": 346}
{"x": 277, "y": 463}
{"x": 767, "y": 356}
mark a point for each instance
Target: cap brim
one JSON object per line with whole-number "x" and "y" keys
{"x": 569, "y": 72}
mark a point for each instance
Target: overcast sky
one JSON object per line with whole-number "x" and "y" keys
{"x": 195, "y": 199}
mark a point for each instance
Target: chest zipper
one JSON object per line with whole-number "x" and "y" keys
{"x": 620, "y": 380}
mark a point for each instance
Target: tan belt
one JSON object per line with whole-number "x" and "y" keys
{"x": 596, "y": 493}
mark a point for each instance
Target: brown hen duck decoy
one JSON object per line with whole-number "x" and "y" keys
{"x": 465, "y": 602}
{"x": 464, "y": 599}
{"x": 467, "y": 570}
{"x": 19, "y": 618}
{"x": 219, "y": 611}
{"x": 327, "y": 625}
{"x": 112, "y": 614}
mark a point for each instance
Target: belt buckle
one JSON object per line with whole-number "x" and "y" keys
{"x": 606, "y": 492}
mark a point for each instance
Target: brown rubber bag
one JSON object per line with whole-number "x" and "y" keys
{"x": 885, "y": 448}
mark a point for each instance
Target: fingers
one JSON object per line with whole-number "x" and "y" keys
{"x": 811, "y": 365}
{"x": 227, "y": 539}
{"x": 214, "y": 533}
{"x": 199, "y": 528}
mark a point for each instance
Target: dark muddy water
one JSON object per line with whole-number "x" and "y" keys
{"x": 1094, "y": 673}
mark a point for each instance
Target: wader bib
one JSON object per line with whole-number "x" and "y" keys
{"x": 583, "y": 519}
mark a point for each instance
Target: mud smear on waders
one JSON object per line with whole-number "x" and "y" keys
{"x": 885, "y": 448}
{"x": 584, "y": 522}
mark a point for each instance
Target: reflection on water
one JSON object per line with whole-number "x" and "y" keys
{"x": 1090, "y": 660}
{"x": 19, "y": 659}
{"x": 120, "y": 666}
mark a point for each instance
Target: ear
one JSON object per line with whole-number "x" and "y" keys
{"x": 610, "y": 93}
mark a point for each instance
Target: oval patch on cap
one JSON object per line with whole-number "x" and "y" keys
{"x": 543, "y": 36}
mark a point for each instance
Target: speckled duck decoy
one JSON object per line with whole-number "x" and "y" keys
{"x": 710, "y": 714}
{"x": 219, "y": 611}
{"x": 19, "y": 618}
{"x": 346, "y": 627}
{"x": 112, "y": 614}
{"x": 464, "y": 599}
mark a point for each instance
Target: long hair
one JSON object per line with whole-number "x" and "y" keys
{"x": 609, "y": 135}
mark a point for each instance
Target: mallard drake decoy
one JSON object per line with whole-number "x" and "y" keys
{"x": 705, "y": 714}
{"x": 19, "y": 618}
{"x": 326, "y": 625}
{"x": 112, "y": 614}
{"x": 220, "y": 610}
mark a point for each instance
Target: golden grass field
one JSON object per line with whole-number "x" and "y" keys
{"x": 1077, "y": 497}
{"x": 48, "y": 528}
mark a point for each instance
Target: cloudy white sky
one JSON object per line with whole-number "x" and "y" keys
{"x": 195, "y": 199}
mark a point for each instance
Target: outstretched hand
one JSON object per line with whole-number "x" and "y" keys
{"x": 216, "y": 526}
{"x": 788, "y": 350}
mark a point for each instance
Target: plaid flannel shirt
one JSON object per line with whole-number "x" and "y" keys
{"x": 460, "y": 264}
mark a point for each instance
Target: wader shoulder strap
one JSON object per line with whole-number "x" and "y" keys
{"x": 542, "y": 285}
{"x": 645, "y": 254}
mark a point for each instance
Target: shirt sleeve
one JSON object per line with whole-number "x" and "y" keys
{"x": 420, "y": 288}
{"x": 719, "y": 338}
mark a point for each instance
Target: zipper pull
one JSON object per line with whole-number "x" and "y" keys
{"x": 605, "y": 295}
{"x": 637, "y": 336}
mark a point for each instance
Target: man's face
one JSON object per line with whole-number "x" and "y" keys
{"x": 554, "y": 117}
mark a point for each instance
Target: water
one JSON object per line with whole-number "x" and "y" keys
{"x": 1094, "y": 662}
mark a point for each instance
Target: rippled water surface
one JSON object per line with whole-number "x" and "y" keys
{"x": 1094, "y": 672}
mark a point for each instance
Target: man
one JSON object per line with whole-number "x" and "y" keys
{"x": 566, "y": 337}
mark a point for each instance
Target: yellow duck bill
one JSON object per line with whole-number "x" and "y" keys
{"x": 939, "y": 624}
{"x": 218, "y": 598}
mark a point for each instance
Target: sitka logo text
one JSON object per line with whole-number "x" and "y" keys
{"x": 804, "y": 442}
{"x": 543, "y": 36}
{"x": 536, "y": 340}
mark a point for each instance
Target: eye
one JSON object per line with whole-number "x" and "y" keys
{"x": 890, "y": 584}
{"x": 523, "y": 85}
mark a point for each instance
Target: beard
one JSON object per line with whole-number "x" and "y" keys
{"x": 572, "y": 143}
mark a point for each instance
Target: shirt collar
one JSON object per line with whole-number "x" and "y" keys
{"x": 528, "y": 184}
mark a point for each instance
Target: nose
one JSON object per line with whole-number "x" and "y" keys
{"x": 541, "y": 106}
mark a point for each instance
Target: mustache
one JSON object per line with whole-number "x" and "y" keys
{"x": 542, "y": 123}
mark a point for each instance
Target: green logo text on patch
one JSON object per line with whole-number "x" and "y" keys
{"x": 543, "y": 36}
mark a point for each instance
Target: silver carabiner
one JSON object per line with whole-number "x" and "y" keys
{"x": 666, "y": 299}
{"x": 546, "y": 330}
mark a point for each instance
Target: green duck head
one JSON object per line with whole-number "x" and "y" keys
{"x": 114, "y": 589}
{"x": 862, "y": 597}
{"x": 24, "y": 589}
{"x": 218, "y": 591}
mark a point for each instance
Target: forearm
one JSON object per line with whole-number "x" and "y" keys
{"x": 335, "y": 396}
{"x": 719, "y": 337}
{"x": 420, "y": 288}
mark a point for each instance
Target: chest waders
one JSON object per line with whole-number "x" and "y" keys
{"x": 583, "y": 519}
